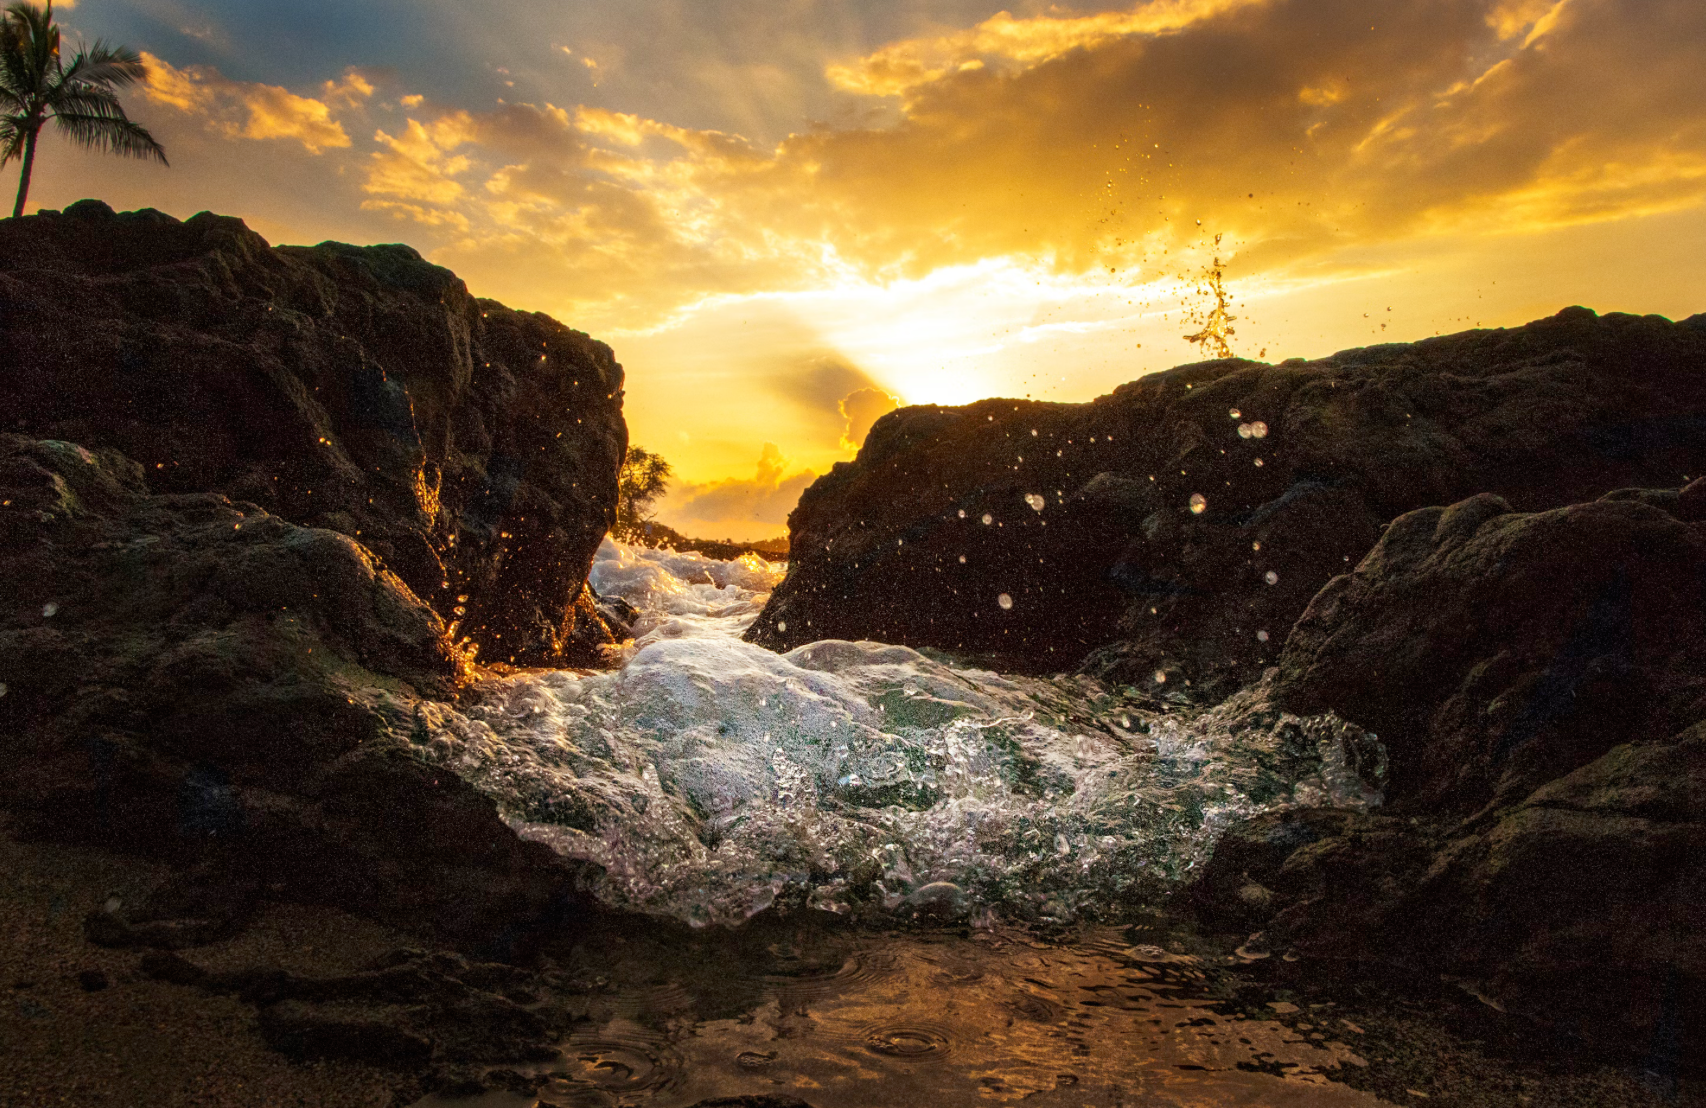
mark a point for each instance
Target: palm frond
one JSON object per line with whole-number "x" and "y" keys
{"x": 12, "y": 137}
{"x": 100, "y": 64}
{"x": 85, "y": 100}
{"x": 112, "y": 135}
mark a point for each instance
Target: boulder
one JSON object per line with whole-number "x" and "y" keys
{"x": 1539, "y": 681}
{"x": 1181, "y": 524}
{"x": 473, "y": 449}
{"x": 1493, "y": 651}
{"x": 193, "y": 678}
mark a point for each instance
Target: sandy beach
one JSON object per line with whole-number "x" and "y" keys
{"x": 144, "y": 1043}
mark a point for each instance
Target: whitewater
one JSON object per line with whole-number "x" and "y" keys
{"x": 713, "y": 779}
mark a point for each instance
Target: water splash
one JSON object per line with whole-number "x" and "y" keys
{"x": 1215, "y": 323}
{"x": 713, "y": 778}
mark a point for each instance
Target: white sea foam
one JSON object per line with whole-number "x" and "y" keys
{"x": 712, "y": 778}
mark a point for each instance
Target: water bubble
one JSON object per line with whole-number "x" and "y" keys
{"x": 1236, "y": 414}
{"x": 1160, "y": 678}
{"x": 1033, "y": 432}
{"x": 1036, "y": 501}
{"x": 1005, "y": 601}
{"x": 1243, "y": 430}
{"x": 49, "y": 610}
{"x": 1271, "y": 577}
{"x": 1258, "y": 461}
{"x": 988, "y": 519}
{"x": 1258, "y": 430}
{"x": 962, "y": 559}
{"x": 1255, "y": 546}
{"x": 1198, "y": 504}
{"x": 1261, "y": 636}
{"x": 962, "y": 513}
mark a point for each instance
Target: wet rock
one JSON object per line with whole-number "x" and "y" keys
{"x": 1092, "y": 533}
{"x": 399, "y": 1013}
{"x": 365, "y": 1034}
{"x": 471, "y": 448}
{"x": 1539, "y": 680}
{"x": 196, "y": 679}
{"x": 1493, "y": 651}
{"x": 202, "y": 905}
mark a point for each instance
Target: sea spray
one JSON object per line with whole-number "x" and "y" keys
{"x": 712, "y": 778}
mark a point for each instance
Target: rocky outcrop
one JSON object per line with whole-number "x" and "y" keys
{"x": 1180, "y": 525}
{"x": 1539, "y": 680}
{"x": 360, "y": 390}
{"x": 1494, "y": 651}
{"x": 193, "y": 678}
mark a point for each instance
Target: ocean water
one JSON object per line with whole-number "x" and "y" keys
{"x": 713, "y": 779}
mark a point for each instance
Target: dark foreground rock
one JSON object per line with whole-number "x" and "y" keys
{"x": 1539, "y": 681}
{"x": 1182, "y": 523}
{"x": 409, "y": 1009}
{"x": 473, "y": 448}
{"x": 192, "y": 678}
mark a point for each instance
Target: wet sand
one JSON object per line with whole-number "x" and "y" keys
{"x": 144, "y": 1043}
{"x": 837, "y": 1018}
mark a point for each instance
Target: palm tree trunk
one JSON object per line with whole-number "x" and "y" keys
{"x": 24, "y": 174}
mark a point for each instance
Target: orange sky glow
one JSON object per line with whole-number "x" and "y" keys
{"x": 787, "y": 221}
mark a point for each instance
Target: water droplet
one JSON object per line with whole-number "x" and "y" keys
{"x": 988, "y": 519}
{"x": 1236, "y": 414}
{"x": 49, "y": 609}
{"x": 1198, "y": 504}
{"x": 1005, "y": 601}
{"x": 1255, "y": 546}
{"x": 2, "y": 688}
{"x": 1261, "y": 636}
{"x": 1243, "y": 430}
{"x": 1271, "y": 577}
{"x": 1258, "y": 430}
{"x": 962, "y": 513}
{"x": 1033, "y": 432}
{"x": 962, "y": 559}
{"x": 781, "y": 625}
{"x": 1258, "y": 461}
{"x": 1160, "y": 678}
{"x": 1035, "y": 501}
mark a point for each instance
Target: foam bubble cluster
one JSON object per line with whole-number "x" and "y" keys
{"x": 713, "y": 778}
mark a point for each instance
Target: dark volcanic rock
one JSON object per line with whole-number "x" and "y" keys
{"x": 1540, "y": 683}
{"x": 409, "y": 1010}
{"x": 1108, "y": 548}
{"x": 193, "y": 678}
{"x": 361, "y": 390}
{"x": 1493, "y": 651}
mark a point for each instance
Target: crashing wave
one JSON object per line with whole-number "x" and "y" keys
{"x": 712, "y": 778}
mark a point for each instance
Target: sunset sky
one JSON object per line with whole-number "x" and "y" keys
{"x": 784, "y": 213}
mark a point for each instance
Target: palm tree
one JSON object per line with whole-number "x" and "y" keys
{"x": 35, "y": 86}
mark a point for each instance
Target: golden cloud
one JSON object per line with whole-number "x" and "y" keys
{"x": 861, "y": 408}
{"x": 903, "y": 66}
{"x": 757, "y": 508}
{"x": 1113, "y": 145}
{"x": 240, "y": 109}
